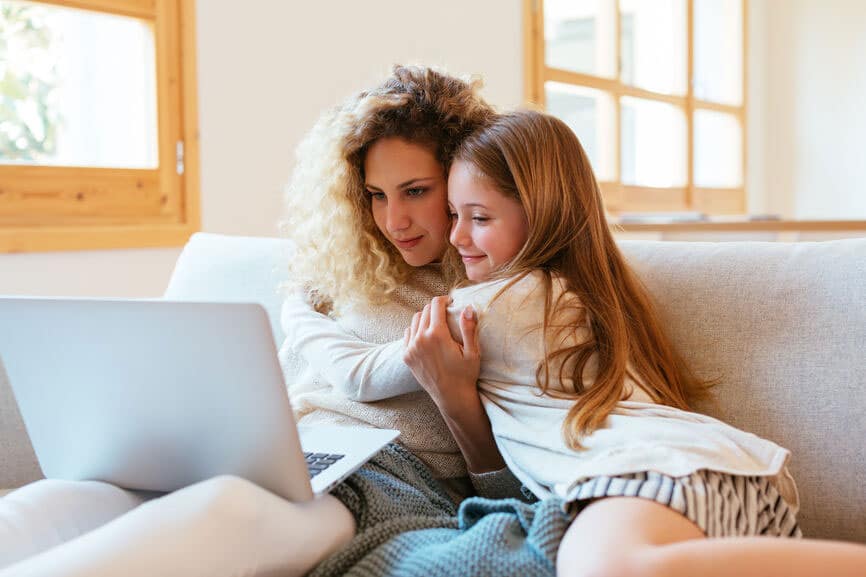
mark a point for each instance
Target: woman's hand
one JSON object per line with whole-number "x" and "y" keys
{"x": 449, "y": 371}
{"x": 446, "y": 369}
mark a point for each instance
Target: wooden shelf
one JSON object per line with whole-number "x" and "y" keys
{"x": 724, "y": 224}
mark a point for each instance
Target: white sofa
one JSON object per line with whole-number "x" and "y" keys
{"x": 782, "y": 325}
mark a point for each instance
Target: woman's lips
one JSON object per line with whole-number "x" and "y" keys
{"x": 408, "y": 243}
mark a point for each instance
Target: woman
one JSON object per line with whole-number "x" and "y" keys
{"x": 364, "y": 236}
{"x": 368, "y": 200}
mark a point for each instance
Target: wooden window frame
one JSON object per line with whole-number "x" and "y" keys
{"x": 49, "y": 208}
{"x": 621, "y": 197}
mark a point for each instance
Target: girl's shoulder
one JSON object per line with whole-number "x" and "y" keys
{"x": 522, "y": 290}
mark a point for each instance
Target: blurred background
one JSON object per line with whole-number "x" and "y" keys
{"x": 704, "y": 119}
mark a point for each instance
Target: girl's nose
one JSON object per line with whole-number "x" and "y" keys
{"x": 458, "y": 234}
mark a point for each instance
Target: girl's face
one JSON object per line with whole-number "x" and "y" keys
{"x": 487, "y": 227}
{"x": 408, "y": 197}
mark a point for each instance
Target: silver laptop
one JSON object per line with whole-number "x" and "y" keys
{"x": 157, "y": 395}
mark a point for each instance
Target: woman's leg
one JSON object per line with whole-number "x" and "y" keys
{"x": 49, "y": 512}
{"x": 635, "y": 537}
{"x": 225, "y": 526}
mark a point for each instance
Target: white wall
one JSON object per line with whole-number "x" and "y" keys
{"x": 831, "y": 110}
{"x": 807, "y": 89}
{"x": 266, "y": 71}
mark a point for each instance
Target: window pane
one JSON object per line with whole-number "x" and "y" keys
{"x": 590, "y": 114}
{"x": 653, "y": 143}
{"x": 77, "y": 88}
{"x": 579, "y": 36}
{"x": 653, "y": 44}
{"x": 718, "y": 150}
{"x": 719, "y": 51}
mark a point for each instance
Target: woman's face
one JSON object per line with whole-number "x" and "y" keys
{"x": 408, "y": 197}
{"x": 488, "y": 227}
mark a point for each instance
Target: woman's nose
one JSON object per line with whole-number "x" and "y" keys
{"x": 397, "y": 217}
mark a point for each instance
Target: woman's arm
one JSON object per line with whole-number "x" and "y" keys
{"x": 448, "y": 371}
{"x": 360, "y": 370}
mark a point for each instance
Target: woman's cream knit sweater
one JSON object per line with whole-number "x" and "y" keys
{"x": 324, "y": 359}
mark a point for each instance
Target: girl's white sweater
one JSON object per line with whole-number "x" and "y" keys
{"x": 639, "y": 435}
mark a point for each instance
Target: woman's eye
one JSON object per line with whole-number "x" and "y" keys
{"x": 376, "y": 195}
{"x": 415, "y": 191}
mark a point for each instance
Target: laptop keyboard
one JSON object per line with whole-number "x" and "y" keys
{"x": 318, "y": 462}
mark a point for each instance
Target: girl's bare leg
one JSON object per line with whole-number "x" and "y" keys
{"x": 225, "y": 526}
{"x": 635, "y": 537}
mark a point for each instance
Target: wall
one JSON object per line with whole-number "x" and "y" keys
{"x": 830, "y": 180}
{"x": 265, "y": 74}
{"x": 807, "y": 86}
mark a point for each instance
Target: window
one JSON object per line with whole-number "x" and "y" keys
{"x": 98, "y": 124}
{"x": 654, "y": 89}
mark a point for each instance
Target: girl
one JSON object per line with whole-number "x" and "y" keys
{"x": 586, "y": 396}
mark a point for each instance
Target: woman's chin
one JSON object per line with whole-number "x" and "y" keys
{"x": 417, "y": 260}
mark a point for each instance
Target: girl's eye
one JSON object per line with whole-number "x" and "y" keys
{"x": 480, "y": 219}
{"x": 452, "y": 215}
{"x": 376, "y": 195}
{"x": 414, "y": 191}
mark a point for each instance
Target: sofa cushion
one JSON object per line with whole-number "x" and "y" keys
{"x": 223, "y": 268}
{"x": 783, "y": 326}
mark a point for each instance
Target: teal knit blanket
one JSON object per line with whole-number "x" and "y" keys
{"x": 408, "y": 526}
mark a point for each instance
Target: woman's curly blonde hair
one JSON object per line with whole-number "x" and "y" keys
{"x": 340, "y": 255}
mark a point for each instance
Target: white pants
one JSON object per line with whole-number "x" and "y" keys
{"x": 224, "y": 526}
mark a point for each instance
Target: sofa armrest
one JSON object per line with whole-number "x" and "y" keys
{"x": 18, "y": 464}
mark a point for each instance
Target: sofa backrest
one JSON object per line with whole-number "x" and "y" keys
{"x": 783, "y": 326}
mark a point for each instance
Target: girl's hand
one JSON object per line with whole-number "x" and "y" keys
{"x": 445, "y": 368}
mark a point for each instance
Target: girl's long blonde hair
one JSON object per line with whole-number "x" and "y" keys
{"x": 340, "y": 255}
{"x": 536, "y": 159}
